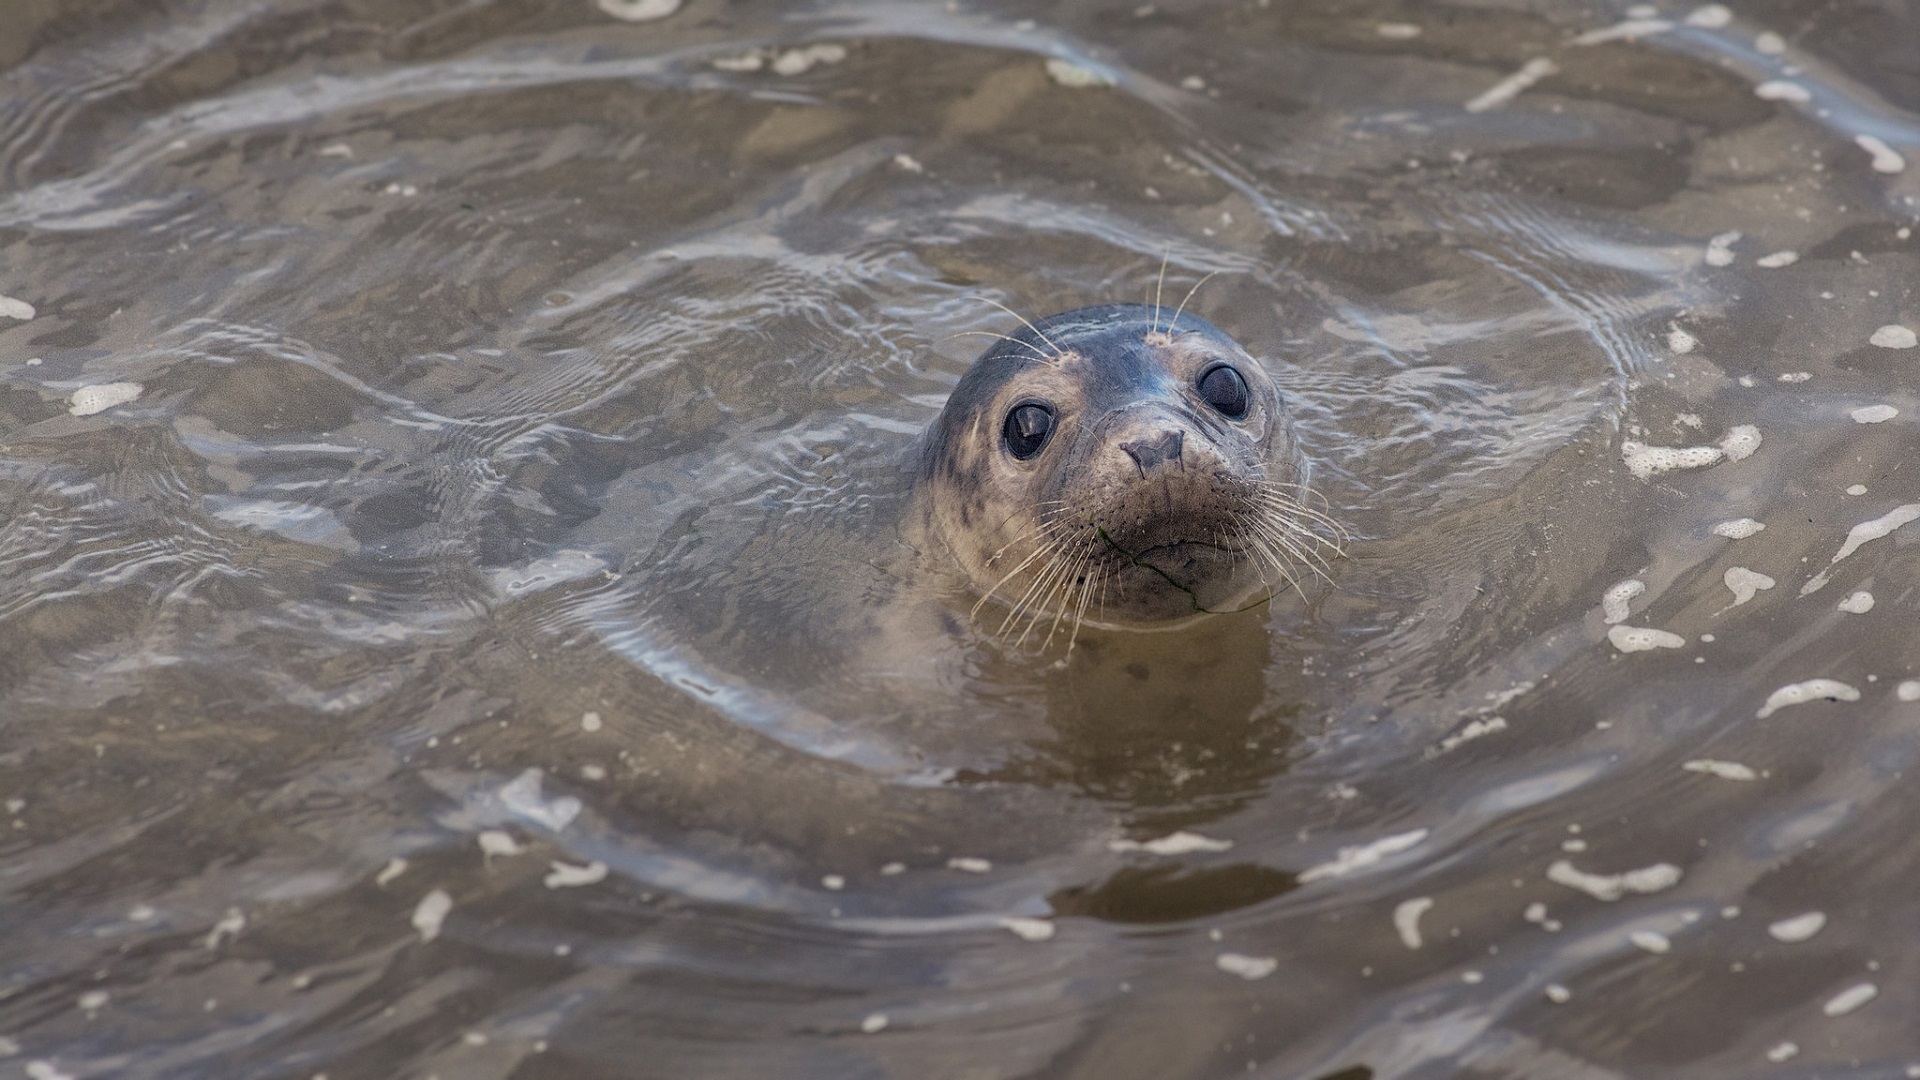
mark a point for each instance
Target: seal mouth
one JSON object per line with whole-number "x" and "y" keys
{"x": 1178, "y": 552}
{"x": 1186, "y": 563}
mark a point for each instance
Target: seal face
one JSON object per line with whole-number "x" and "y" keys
{"x": 1113, "y": 465}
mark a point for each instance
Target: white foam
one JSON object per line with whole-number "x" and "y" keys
{"x": 1782, "y": 1052}
{"x": 227, "y": 929}
{"x": 1651, "y": 941}
{"x": 1630, "y": 639}
{"x": 1475, "y": 729}
{"x": 874, "y": 1023}
{"x": 969, "y": 864}
{"x": 797, "y": 61}
{"x": 1725, "y": 770}
{"x": 1782, "y": 90}
{"x": 430, "y": 913}
{"x": 1738, "y": 528}
{"x": 1513, "y": 85}
{"x": 1364, "y": 855}
{"x": 1720, "y": 249}
{"x": 1740, "y": 442}
{"x": 1874, "y": 414}
{"x": 1068, "y": 73}
{"x": 1247, "y": 967}
{"x": 15, "y": 309}
{"x": 1558, "y": 994}
{"x": 394, "y": 868}
{"x": 1613, "y": 603}
{"x": 1406, "y": 919}
{"x": 1885, "y": 158}
{"x": 1799, "y": 928}
{"x": 1680, "y": 341}
{"x": 1768, "y": 43}
{"x": 638, "y": 10}
{"x": 1802, "y": 692}
{"x": 1894, "y": 336}
{"x": 1859, "y": 603}
{"x": 1745, "y": 583}
{"x": 568, "y": 876}
{"x": 1850, "y": 999}
{"x": 1646, "y": 461}
{"x": 521, "y": 796}
{"x": 1029, "y": 929}
{"x": 1710, "y": 16}
{"x": 498, "y": 842}
{"x": 1609, "y": 887}
{"x": 1624, "y": 31}
{"x": 1397, "y": 31}
{"x": 95, "y": 399}
{"x": 1863, "y": 533}
{"x": 1856, "y": 489}
{"x": 1777, "y": 260}
{"x": 1179, "y": 843}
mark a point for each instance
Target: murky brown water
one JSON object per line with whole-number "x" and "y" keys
{"x": 452, "y": 621}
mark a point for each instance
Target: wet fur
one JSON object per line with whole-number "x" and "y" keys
{"x": 1083, "y": 533}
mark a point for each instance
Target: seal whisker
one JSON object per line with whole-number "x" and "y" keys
{"x": 1275, "y": 489}
{"x": 1280, "y": 542}
{"x": 1280, "y": 504}
{"x": 1106, "y": 578}
{"x": 1070, "y": 585}
{"x": 988, "y": 595}
{"x": 1037, "y": 354}
{"x": 1183, "y": 301}
{"x": 1276, "y": 562}
{"x": 1051, "y": 539}
{"x": 1048, "y": 520}
{"x": 1292, "y": 539}
{"x": 1310, "y": 538}
{"x": 1064, "y": 590}
{"x": 1057, "y": 350}
{"x": 1038, "y": 589}
{"x": 1059, "y": 595}
{"x": 1080, "y": 616}
{"x": 1159, "y": 284}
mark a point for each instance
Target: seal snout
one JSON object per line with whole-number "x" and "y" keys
{"x": 1153, "y": 451}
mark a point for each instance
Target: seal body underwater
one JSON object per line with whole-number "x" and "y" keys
{"x": 1112, "y": 465}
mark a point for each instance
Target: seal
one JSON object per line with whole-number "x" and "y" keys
{"x": 1114, "y": 467}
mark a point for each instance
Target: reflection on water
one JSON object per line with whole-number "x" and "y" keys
{"x": 456, "y": 622}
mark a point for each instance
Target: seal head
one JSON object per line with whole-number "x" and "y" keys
{"x": 1116, "y": 466}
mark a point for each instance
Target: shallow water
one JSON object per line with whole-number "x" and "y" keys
{"x": 453, "y": 620}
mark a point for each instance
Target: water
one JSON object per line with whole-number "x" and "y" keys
{"x": 455, "y": 621}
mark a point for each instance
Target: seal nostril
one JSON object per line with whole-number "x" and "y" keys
{"x": 1152, "y": 452}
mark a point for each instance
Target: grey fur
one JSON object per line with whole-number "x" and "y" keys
{"x": 1145, "y": 506}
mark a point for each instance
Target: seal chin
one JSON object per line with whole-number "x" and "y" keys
{"x": 1187, "y": 564}
{"x": 1193, "y": 577}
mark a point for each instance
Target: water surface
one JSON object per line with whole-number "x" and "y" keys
{"x": 454, "y": 620}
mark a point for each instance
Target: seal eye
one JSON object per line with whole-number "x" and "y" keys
{"x": 1226, "y": 390}
{"x": 1028, "y": 427}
